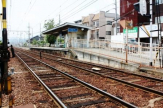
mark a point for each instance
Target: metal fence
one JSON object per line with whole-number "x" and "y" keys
{"x": 136, "y": 53}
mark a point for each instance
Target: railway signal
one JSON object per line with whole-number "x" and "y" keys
{"x": 141, "y": 7}
{"x": 5, "y": 78}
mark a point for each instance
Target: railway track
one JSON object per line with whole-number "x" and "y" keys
{"x": 150, "y": 84}
{"x": 109, "y": 87}
{"x": 68, "y": 91}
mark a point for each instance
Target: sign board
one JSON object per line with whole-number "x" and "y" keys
{"x": 72, "y": 30}
{"x": 126, "y": 23}
{"x": 134, "y": 30}
{"x": 132, "y": 33}
{"x": 142, "y": 34}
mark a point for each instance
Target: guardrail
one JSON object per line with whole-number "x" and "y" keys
{"x": 136, "y": 53}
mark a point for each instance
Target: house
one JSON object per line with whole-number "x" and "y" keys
{"x": 37, "y": 38}
{"x": 101, "y": 23}
{"x": 78, "y": 22}
{"x": 127, "y": 13}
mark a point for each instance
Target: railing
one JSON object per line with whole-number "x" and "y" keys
{"x": 136, "y": 53}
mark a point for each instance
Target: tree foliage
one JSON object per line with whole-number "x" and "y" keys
{"x": 49, "y": 25}
{"x": 34, "y": 42}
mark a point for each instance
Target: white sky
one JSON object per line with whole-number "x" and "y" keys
{"x": 21, "y": 13}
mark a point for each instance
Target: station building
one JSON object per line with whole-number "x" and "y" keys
{"x": 72, "y": 32}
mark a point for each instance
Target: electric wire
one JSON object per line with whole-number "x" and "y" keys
{"x": 24, "y": 14}
{"x": 72, "y": 14}
{"x": 27, "y": 13}
{"x": 54, "y": 11}
{"x": 75, "y": 7}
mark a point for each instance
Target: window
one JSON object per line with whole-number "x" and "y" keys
{"x": 109, "y": 22}
{"x": 118, "y": 30}
{"x": 108, "y": 32}
{"x": 97, "y": 34}
{"x": 86, "y": 24}
{"x": 161, "y": 19}
{"x": 158, "y": 2}
{"x": 96, "y": 23}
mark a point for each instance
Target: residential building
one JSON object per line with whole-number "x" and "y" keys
{"x": 78, "y": 22}
{"x": 101, "y": 23}
{"x": 127, "y": 12}
{"x": 37, "y": 38}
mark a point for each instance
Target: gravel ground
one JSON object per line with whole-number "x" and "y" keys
{"x": 132, "y": 95}
{"x": 23, "y": 86}
{"x": 127, "y": 93}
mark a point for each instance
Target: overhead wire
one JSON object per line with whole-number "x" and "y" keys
{"x": 75, "y": 7}
{"x": 80, "y": 9}
{"x": 27, "y": 13}
{"x": 53, "y": 12}
{"x": 102, "y": 8}
{"x": 72, "y": 14}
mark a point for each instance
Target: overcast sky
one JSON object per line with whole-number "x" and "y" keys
{"x": 21, "y": 13}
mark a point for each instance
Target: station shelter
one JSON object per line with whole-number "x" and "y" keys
{"x": 71, "y": 33}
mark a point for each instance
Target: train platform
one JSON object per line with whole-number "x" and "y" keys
{"x": 50, "y": 48}
{"x": 106, "y": 57}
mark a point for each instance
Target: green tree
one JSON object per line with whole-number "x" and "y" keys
{"x": 34, "y": 42}
{"x": 49, "y": 25}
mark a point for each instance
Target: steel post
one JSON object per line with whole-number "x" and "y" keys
{"x": 150, "y": 63}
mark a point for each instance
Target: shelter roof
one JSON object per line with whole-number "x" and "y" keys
{"x": 64, "y": 27}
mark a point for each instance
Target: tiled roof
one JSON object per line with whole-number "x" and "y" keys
{"x": 86, "y": 19}
{"x": 96, "y": 17}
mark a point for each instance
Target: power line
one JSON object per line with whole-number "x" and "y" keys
{"x": 75, "y": 7}
{"x": 103, "y": 8}
{"x": 51, "y": 13}
{"x": 72, "y": 14}
{"x": 27, "y": 12}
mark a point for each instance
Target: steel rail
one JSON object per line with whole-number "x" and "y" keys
{"x": 55, "y": 98}
{"x": 129, "y": 105}
{"x": 122, "y": 81}
{"x": 111, "y": 68}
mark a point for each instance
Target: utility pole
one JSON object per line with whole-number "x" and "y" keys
{"x": 29, "y": 33}
{"x": 150, "y": 63}
{"x": 116, "y": 17}
{"x": 40, "y": 31}
{"x": 59, "y": 19}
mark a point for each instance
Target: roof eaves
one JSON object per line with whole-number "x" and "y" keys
{"x": 65, "y": 24}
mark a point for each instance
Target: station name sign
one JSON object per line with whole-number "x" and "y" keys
{"x": 72, "y": 29}
{"x": 134, "y": 30}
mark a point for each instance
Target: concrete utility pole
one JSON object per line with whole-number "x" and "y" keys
{"x": 150, "y": 63}
{"x": 29, "y": 33}
{"x": 116, "y": 17}
{"x": 40, "y": 31}
{"x": 59, "y": 20}
{"x": 59, "y": 16}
